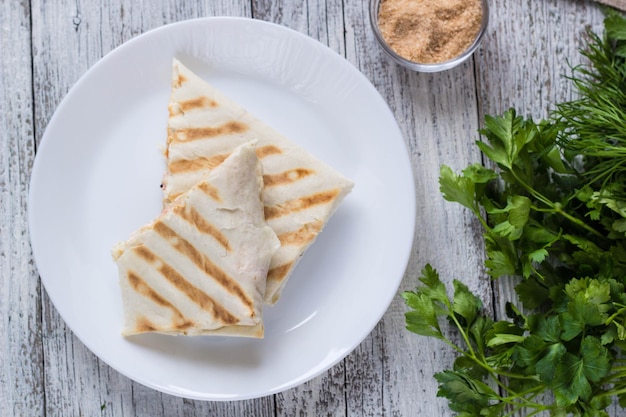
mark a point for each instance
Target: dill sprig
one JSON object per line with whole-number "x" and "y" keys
{"x": 595, "y": 123}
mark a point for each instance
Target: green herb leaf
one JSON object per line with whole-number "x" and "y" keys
{"x": 596, "y": 359}
{"x": 572, "y": 382}
{"x": 615, "y": 27}
{"x": 531, "y": 293}
{"x": 466, "y": 304}
{"x": 433, "y": 287}
{"x": 466, "y": 394}
{"x": 457, "y": 188}
{"x": 577, "y": 372}
{"x": 517, "y": 212}
{"x": 422, "y": 320}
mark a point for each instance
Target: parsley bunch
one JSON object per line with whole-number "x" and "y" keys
{"x": 554, "y": 217}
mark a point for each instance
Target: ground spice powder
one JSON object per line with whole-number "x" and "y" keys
{"x": 429, "y": 31}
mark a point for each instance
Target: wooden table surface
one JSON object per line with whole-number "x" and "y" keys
{"x": 45, "y": 47}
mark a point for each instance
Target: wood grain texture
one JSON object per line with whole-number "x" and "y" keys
{"x": 526, "y": 56}
{"x": 324, "y": 395}
{"x": 68, "y": 38}
{"x": 523, "y": 62}
{"x": 47, "y": 46}
{"x": 21, "y": 356}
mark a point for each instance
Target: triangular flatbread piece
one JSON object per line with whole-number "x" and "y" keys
{"x": 201, "y": 266}
{"x": 300, "y": 192}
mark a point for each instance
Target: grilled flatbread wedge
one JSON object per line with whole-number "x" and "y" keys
{"x": 300, "y": 192}
{"x": 201, "y": 266}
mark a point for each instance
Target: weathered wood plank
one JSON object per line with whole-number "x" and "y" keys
{"x": 66, "y": 42}
{"x": 392, "y": 371}
{"x": 68, "y": 38}
{"x": 436, "y": 123}
{"x": 322, "y": 20}
{"x": 527, "y": 52}
{"x": 21, "y": 356}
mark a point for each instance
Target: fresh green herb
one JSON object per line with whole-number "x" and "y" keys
{"x": 553, "y": 211}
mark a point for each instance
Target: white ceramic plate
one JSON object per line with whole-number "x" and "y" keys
{"x": 96, "y": 179}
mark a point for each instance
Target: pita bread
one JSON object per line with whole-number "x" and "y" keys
{"x": 201, "y": 266}
{"x": 300, "y": 193}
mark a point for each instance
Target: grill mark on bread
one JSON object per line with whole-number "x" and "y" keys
{"x": 181, "y": 107}
{"x": 302, "y": 236}
{"x": 300, "y": 204}
{"x": 190, "y": 165}
{"x": 144, "y": 325}
{"x": 142, "y": 287}
{"x": 204, "y": 264}
{"x": 209, "y": 132}
{"x": 197, "y": 103}
{"x": 209, "y": 190}
{"x": 208, "y": 163}
{"x": 194, "y": 218}
{"x": 146, "y": 254}
{"x": 286, "y": 177}
{"x": 267, "y": 150}
{"x": 180, "y": 80}
{"x": 199, "y": 297}
{"x": 278, "y": 273}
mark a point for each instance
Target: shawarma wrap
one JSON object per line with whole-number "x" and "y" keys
{"x": 201, "y": 266}
{"x": 300, "y": 192}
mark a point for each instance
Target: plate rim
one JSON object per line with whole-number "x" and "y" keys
{"x": 46, "y": 141}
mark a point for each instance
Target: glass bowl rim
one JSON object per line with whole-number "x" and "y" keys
{"x": 428, "y": 67}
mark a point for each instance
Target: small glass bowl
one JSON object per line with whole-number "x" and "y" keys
{"x": 421, "y": 67}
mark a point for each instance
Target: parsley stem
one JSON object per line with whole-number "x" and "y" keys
{"x": 512, "y": 375}
{"x": 556, "y": 208}
{"x": 472, "y": 354}
{"x": 481, "y": 219}
{"x": 537, "y": 411}
{"x": 492, "y": 371}
{"x": 578, "y": 222}
{"x": 462, "y": 331}
{"x": 611, "y": 393}
{"x": 525, "y": 403}
{"x": 478, "y": 360}
{"x": 614, "y": 376}
{"x": 617, "y": 313}
{"x": 532, "y": 191}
